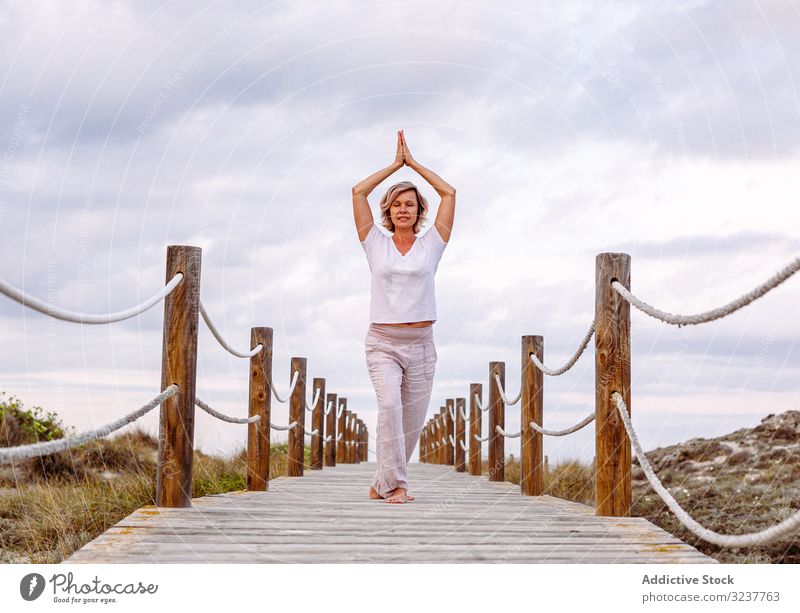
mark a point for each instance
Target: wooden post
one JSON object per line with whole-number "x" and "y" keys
{"x": 461, "y": 465}
{"x": 297, "y": 412}
{"x": 353, "y": 437}
{"x": 546, "y": 467}
{"x": 317, "y": 423}
{"x": 341, "y": 456}
{"x": 354, "y": 440}
{"x": 475, "y": 420}
{"x": 497, "y": 411}
{"x": 531, "y": 445}
{"x": 330, "y": 430}
{"x": 612, "y": 374}
{"x": 441, "y": 438}
{"x": 178, "y": 366}
{"x": 260, "y": 403}
{"x": 451, "y": 430}
{"x": 359, "y": 439}
{"x": 348, "y": 437}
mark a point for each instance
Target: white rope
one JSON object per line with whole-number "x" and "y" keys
{"x": 684, "y": 320}
{"x": 291, "y": 426}
{"x": 291, "y": 387}
{"x": 460, "y": 442}
{"x": 450, "y": 438}
{"x": 483, "y": 440}
{"x": 328, "y": 438}
{"x": 452, "y": 412}
{"x": 23, "y": 452}
{"x": 223, "y": 417}
{"x": 572, "y": 360}
{"x": 313, "y": 402}
{"x": 478, "y": 402}
{"x": 338, "y": 438}
{"x": 444, "y": 442}
{"x": 463, "y": 411}
{"x": 763, "y": 537}
{"x": 499, "y": 430}
{"x": 329, "y": 407}
{"x": 83, "y": 318}
{"x": 313, "y": 433}
{"x": 503, "y": 394}
{"x": 218, "y": 336}
{"x": 339, "y": 410}
{"x": 586, "y": 421}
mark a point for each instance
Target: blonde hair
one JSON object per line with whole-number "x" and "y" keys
{"x": 389, "y": 197}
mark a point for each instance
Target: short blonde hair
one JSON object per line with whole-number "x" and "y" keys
{"x": 389, "y": 197}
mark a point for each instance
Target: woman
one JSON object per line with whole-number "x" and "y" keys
{"x": 400, "y": 351}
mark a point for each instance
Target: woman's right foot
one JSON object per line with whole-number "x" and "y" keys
{"x": 376, "y": 496}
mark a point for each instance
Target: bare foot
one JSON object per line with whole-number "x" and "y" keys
{"x": 397, "y": 496}
{"x": 376, "y": 496}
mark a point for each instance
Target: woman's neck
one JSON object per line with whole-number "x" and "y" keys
{"x": 406, "y": 234}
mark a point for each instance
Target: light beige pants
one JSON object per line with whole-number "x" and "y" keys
{"x": 401, "y": 362}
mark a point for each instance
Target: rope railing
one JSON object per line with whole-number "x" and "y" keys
{"x": 571, "y": 362}
{"x": 182, "y": 309}
{"x": 291, "y": 426}
{"x": 581, "y": 424}
{"x": 313, "y": 402}
{"x": 223, "y": 417}
{"x": 500, "y": 430}
{"x": 686, "y": 320}
{"x": 291, "y": 386}
{"x": 762, "y": 537}
{"x": 218, "y": 336}
{"x": 503, "y": 394}
{"x": 614, "y": 436}
{"x": 84, "y": 318}
{"x": 24, "y": 452}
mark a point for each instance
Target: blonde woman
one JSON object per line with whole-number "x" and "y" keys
{"x": 400, "y": 350}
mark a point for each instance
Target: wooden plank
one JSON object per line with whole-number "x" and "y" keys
{"x": 327, "y": 517}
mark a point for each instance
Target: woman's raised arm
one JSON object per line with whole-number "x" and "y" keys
{"x": 361, "y": 210}
{"x": 447, "y": 208}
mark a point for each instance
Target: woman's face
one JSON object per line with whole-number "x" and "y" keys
{"x": 404, "y": 210}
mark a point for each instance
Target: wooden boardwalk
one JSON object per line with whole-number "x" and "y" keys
{"x": 326, "y": 516}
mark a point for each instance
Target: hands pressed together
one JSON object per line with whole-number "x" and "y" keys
{"x": 403, "y": 155}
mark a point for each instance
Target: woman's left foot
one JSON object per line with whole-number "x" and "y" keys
{"x": 398, "y": 496}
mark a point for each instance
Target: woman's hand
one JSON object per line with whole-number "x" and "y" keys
{"x": 399, "y": 160}
{"x": 407, "y": 159}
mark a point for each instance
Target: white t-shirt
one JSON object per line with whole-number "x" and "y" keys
{"x": 402, "y": 285}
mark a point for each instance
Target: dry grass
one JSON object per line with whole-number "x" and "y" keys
{"x": 52, "y": 506}
{"x": 735, "y": 502}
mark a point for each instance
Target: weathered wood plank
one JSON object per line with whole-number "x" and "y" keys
{"x": 327, "y": 517}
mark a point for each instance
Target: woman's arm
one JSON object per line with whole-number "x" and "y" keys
{"x": 447, "y": 207}
{"x": 361, "y": 210}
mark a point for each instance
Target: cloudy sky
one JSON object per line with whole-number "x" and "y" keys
{"x": 664, "y": 130}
